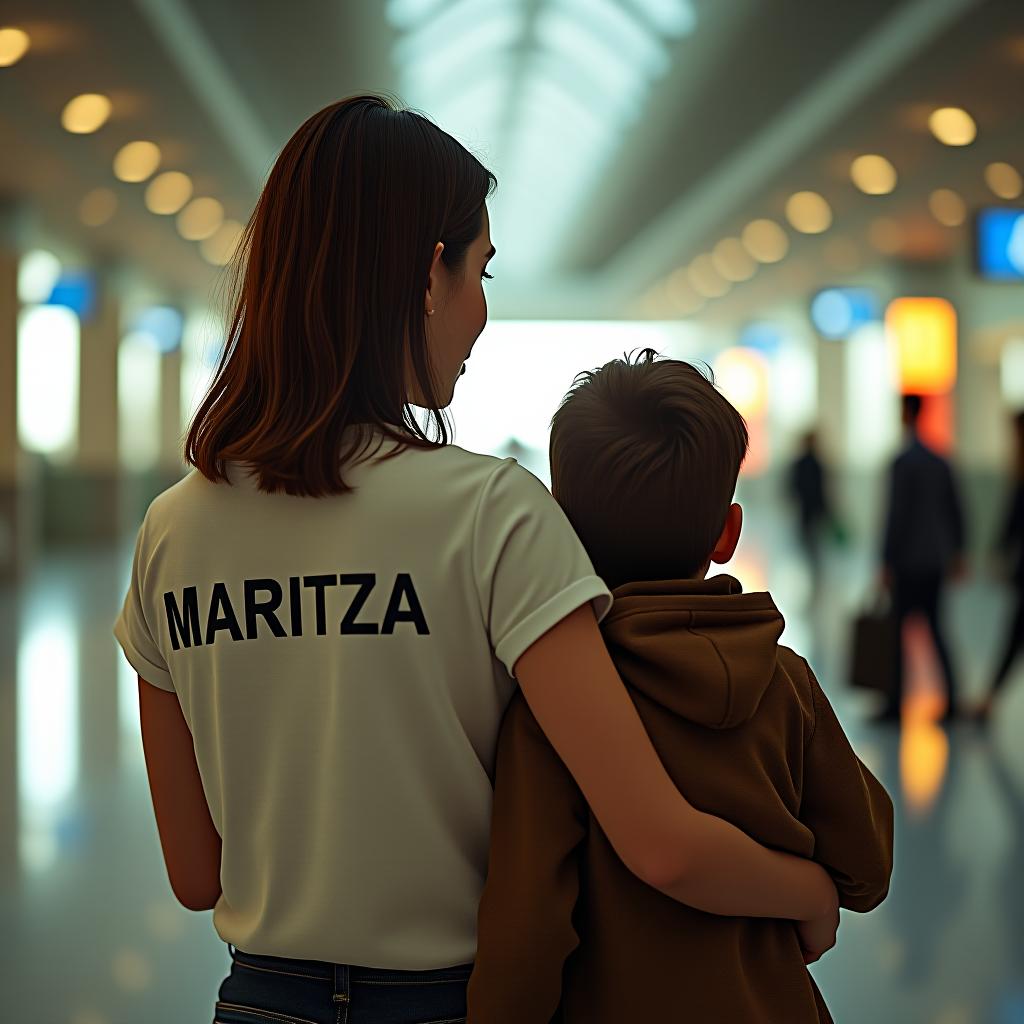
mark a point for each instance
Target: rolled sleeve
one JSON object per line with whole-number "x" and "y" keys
{"x": 133, "y": 629}
{"x": 531, "y": 568}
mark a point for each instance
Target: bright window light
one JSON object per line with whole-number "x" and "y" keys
{"x": 38, "y": 272}
{"x": 200, "y": 349}
{"x": 532, "y": 364}
{"x": 872, "y": 414}
{"x": 1011, "y": 373}
{"x": 138, "y": 395}
{"x": 48, "y": 347}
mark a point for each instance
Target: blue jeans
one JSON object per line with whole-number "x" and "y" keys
{"x": 275, "y": 990}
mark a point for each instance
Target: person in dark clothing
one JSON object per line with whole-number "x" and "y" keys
{"x": 923, "y": 545}
{"x": 1011, "y": 545}
{"x": 809, "y": 493}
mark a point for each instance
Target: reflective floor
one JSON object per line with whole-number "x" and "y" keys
{"x": 92, "y": 934}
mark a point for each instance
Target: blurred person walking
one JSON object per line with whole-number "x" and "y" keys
{"x": 808, "y": 490}
{"x": 922, "y": 547}
{"x": 1011, "y": 548}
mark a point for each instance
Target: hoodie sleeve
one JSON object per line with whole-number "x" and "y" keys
{"x": 525, "y": 928}
{"x": 847, "y": 809}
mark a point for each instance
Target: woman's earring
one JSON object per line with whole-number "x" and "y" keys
{"x": 430, "y": 312}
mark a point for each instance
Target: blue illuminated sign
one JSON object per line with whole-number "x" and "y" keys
{"x": 838, "y": 312}
{"x": 999, "y": 243}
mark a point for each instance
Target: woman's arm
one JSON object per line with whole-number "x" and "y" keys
{"x": 573, "y": 689}
{"x": 188, "y": 837}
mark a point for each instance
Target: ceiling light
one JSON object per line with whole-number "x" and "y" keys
{"x": 97, "y": 207}
{"x": 809, "y": 212}
{"x": 219, "y": 248}
{"x": 1004, "y": 180}
{"x": 200, "y": 219}
{"x": 953, "y": 126}
{"x": 705, "y": 279}
{"x": 873, "y": 174}
{"x": 947, "y": 207}
{"x": 136, "y": 161}
{"x": 732, "y": 261}
{"x": 765, "y": 240}
{"x": 168, "y": 192}
{"x": 85, "y": 113}
{"x": 14, "y": 43}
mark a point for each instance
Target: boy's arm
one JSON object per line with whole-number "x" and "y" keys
{"x": 525, "y": 930}
{"x": 848, "y": 811}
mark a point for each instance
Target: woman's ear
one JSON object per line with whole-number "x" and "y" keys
{"x": 730, "y": 536}
{"x": 432, "y": 278}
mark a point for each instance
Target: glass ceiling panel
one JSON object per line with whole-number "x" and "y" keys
{"x": 672, "y": 18}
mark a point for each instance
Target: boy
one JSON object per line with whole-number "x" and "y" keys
{"x": 644, "y": 461}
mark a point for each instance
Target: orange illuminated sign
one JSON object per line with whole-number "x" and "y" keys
{"x": 923, "y": 331}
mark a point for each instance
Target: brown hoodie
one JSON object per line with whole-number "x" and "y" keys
{"x": 567, "y": 933}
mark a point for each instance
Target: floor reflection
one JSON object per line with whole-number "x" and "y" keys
{"x": 83, "y": 884}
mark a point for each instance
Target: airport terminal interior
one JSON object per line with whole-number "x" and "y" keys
{"x": 822, "y": 202}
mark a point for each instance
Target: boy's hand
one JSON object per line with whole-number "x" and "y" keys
{"x": 818, "y": 935}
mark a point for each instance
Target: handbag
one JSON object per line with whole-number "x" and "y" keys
{"x": 874, "y": 646}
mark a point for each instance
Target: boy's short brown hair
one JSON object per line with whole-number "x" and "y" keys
{"x": 644, "y": 461}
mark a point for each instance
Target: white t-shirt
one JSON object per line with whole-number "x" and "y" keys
{"x": 343, "y": 664}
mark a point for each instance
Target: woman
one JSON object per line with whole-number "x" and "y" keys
{"x": 326, "y": 642}
{"x": 1011, "y": 544}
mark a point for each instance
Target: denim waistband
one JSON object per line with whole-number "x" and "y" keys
{"x": 326, "y": 971}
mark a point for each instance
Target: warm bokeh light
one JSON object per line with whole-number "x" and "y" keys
{"x": 14, "y": 44}
{"x": 947, "y": 207}
{"x": 136, "y": 161}
{"x": 220, "y": 247}
{"x": 873, "y": 174}
{"x": 886, "y": 234}
{"x": 168, "y": 192}
{"x": 809, "y": 212}
{"x": 200, "y": 219}
{"x": 706, "y": 280}
{"x": 742, "y": 375}
{"x": 1004, "y": 180}
{"x": 86, "y": 113}
{"x": 732, "y": 261}
{"x": 97, "y": 207}
{"x": 953, "y": 126}
{"x": 923, "y": 330}
{"x": 765, "y": 240}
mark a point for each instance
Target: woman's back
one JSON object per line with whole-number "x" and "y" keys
{"x": 343, "y": 664}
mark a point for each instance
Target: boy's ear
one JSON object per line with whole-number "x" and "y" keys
{"x": 730, "y": 536}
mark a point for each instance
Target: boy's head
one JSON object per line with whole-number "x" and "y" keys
{"x": 644, "y": 460}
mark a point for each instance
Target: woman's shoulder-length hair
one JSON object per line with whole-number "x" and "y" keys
{"x": 327, "y": 294}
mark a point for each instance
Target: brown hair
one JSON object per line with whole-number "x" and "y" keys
{"x": 644, "y": 461}
{"x": 328, "y": 289}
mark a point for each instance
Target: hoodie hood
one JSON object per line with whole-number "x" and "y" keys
{"x": 702, "y": 649}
